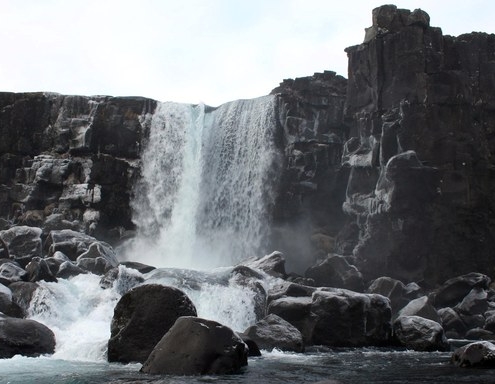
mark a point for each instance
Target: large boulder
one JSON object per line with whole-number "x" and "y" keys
{"x": 337, "y": 317}
{"x": 335, "y": 271}
{"x": 474, "y": 303}
{"x": 454, "y": 290}
{"x": 195, "y": 346}
{"x": 38, "y": 269}
{"x": 7, "y": 306}
{"x": 69, "y": 242}
{"x": 346, "y": 318}
{"x": 24, "y": 337}
{"x": 420, "y": 334}
{"x": 22, "y": 243}
{"x": 141, "y": 317}
{"x": 274, "y": 332}
{"x": 22, "y": 293}
{"x": 98, "y": 259}
{"x": 477, "y": 354}
{"x": 452, "y": 323}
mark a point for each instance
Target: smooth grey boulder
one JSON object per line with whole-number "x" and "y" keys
{"x": 477, "y": 354}
{"x": 335, "y": 271}
{"x": 420, "y": 307}
{"x": 195, "y": 346}
{"x": 420, "y": 334}
{"x": 141, "y": 318}
{"x": 273, "y": 332}
{"x": 24, "y": 337}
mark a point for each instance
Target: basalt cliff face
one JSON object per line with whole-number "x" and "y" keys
{"x": 392, "y": 169}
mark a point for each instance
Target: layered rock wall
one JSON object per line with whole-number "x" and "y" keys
{"x": 421, "y": 108}
{"x": 69, "y": 162}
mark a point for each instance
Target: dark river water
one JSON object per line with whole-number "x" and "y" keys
{"x": 344, "y": 366}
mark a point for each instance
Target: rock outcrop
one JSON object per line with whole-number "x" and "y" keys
{"x": 391, "y": 170}
{"x": 420, "y": 107}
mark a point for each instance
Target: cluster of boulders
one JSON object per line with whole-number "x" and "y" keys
{"x": 28, "y": 257}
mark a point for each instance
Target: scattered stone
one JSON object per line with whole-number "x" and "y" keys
{"x": 11, "y": 272}
{"x": 195, "y": 346}
{"x": 38, "y": 270}
{"x": 23, "y": 243}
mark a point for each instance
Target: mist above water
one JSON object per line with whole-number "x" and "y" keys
{"x": 207, "y": 186}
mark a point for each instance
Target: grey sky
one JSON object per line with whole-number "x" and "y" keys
{"x": 210, "y": 51}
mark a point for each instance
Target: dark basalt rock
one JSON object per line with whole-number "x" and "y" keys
{"x": 22, "y": 293}
{"x": 454, "y": 290}
{"x": 141, "y": 318}
{"x": 195, "y": 346}
{"x": 478, "y": 354}
{"x": 24, "y": 337}
{"x": 337, "y": 317}
{"x": 274, "y": 332}
{"x": 335, "y": 271}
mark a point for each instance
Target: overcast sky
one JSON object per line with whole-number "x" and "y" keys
{"x": 210, "y": 51}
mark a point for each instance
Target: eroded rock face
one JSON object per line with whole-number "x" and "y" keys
{"x": 420, "y": 106}
{"x": 74, "y": 157}
{"x": 195, "y": 346}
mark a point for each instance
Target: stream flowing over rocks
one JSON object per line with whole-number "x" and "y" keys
{"x": 331, "y": 213}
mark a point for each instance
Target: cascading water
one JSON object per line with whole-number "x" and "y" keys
{"x": 207, "y": 184}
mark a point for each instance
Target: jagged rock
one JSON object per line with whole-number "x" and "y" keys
{"x": 454, "y": 290}
{"x": 11, "y": 272}
{"x": 24, "y": 337}
{"x": 122, "y": 278}
{"x": 452, "y": 322}
{"x": 98, "y": 259}
{"x": 38, "y": 269}
{"x": 69, "y": 269}
{"x": 7, "y": 306}
{"x": 272, "y": 264}
{"x": 142, "y": 268}
{"x": 335, "y": 271}
{"x": 420, "y": 307}
{"x": 274, "y": 332}
{"x": 393, "y": 289}
{"x": 22, "y": 242}
{"x": 478, "y": 354}
{"x": 420, "y": 334}
{"x": 141, "y": 317}
{"x": 247, "y": 277}
{"x": 195, "y": 346}
{"x": 69, "y": 242}
{"x": 475, "y": 302}
{"x": 22, "y": 293}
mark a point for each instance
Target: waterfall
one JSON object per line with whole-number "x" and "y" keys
{"x": 206, "y": 192}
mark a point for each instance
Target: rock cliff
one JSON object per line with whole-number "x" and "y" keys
{"x": 391, "y": 168}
